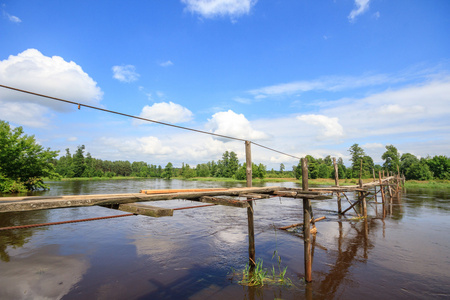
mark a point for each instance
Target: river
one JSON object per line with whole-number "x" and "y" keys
{"x": 196, "y": 253}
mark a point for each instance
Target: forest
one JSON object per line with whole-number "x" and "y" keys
{"x": 24, "y": 164}
{"x": 81, "y": 165}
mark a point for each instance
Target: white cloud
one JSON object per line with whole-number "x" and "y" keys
{"x": 330, "y": 83}
{"x": 213, "y": 8}
{"x": 52, "y": 76}
{"x": 125, "y": 73}
{"x": 166, "y": 112}
{"x": 361, "y": 7}
{"x": 229, "y": 123}
{"x": 11, "y": 18}
{"x": 327, "y": 128}
{"x": 166, "y": 64}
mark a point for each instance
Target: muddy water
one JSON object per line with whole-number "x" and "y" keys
{"x": 192, "y": 255}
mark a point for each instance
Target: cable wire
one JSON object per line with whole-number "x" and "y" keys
{"x": 79, "y": 105}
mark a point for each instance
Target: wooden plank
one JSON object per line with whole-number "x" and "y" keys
{"x": 301, "y": 195}
{"x": 301, "y": 224}
{"x": 169, "y": 191}
{"x": 255, "y": 196}
{"x": 8, "y": 204}
{"x": 224, "y": 201}
{"x": 146, "y": 210}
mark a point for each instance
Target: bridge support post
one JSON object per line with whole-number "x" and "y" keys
{"x": 307, "y": 214}
{"x": 251, "y": 227}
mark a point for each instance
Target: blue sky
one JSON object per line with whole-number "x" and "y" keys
{"x": 303, "y": 77}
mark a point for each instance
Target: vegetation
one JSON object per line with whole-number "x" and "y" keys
{"x": 23, "y": 162}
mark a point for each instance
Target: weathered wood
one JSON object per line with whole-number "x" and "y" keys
{"x": 301, "y": 195}
{"x": 169, "y": 191}
{"x": 336, "y": 183}
{"x": 301, "y": 224}
{"x": 356, "y": 202}
{"x": 224, "y": 201}
{"x": 146, "y": 210}
{"x": 306, "y": 224}
{"x": 251, "y": 226}
{"x": 255, "y": 196}
{"x": 8, "y": 204}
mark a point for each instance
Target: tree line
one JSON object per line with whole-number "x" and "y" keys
{"x": 24, "y": 164}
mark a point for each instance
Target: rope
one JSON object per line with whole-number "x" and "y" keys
{"x": 63, "y": 222}
{"x": 79, "y": 105}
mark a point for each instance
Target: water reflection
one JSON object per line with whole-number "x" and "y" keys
{"x": 43, "y": 274}
{"x": 19, "y": 237}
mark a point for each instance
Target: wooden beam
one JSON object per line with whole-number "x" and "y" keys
{"x": 169, "y": 191}
{"x": 8, "y": 204}
{"x": 224, "y": 201}
{"x": 146, "y": 210}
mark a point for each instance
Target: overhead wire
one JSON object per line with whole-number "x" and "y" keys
{"x": 79, "y": 105}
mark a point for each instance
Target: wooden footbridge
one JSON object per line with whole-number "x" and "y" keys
{"x": 388, "y": 187}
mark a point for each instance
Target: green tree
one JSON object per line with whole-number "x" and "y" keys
{"x": 406, "y": 160}
{"x": 391, "y": 159}
{"x": 282, "y": 168}
{"x": 440, "y": 166}
{"x": 23, "y": 162}
{"x": 357, "y": 153}
{"x": 78, "y": 162}
{"x": 419, "y": 171}
{"x": 168, "y": 171}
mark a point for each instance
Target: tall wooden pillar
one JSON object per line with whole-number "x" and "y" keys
{"x": 251, "y": 227}
{"x": 336, "y": 182}
{"x": 306, "y": 223}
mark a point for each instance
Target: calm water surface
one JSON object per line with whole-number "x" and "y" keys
{"x": 192, "y": 255}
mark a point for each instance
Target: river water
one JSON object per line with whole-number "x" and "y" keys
{"x": 197, "y": 253}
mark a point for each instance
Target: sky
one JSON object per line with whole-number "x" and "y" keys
{"x": 299, "y": 76}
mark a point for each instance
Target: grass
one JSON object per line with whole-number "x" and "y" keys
{"x": 260, "y": 276}
{"x": 427, "y": 184}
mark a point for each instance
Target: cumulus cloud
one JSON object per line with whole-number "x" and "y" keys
{"x": 410, "y": 109}
{"x": 213, "y": 8}
{"x": 53, "y": 76}
{"x": 234, "y": 125}
{"x": 361, "y": 7}
{"x": 328, "y": 128}
{"x": 166, "y": 112}
{"x": 125, "y": 73}
{"x": 143, "y": 146}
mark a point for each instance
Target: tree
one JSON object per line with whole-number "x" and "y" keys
{"x": 391, "y": 158}
{"x": 356, "y": 153}
{"x": 78, "y": 162}
{"x": 23, "y": 162}
{"x": 168, "y": 171}
{"x": 440, "y": 166}
{"x": 281, "y": 168}
{"x": 406, "y": 161}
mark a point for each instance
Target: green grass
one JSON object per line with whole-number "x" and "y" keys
{"x": 429, "y": 184}
{"x": 260, "y": 276}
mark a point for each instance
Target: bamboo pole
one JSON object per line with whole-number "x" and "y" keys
{"x": 251, "y": 226}
{"x": 306, "y": 223}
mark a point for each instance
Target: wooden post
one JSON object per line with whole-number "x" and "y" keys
{"x": 251, "y": 227}
{"x": 336, "y": 182}
{"x": 361, "y": 197}
{"x": 374, "y": 187}
{"x": 306, "y": 223}
{"x": 382, "y": 193}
